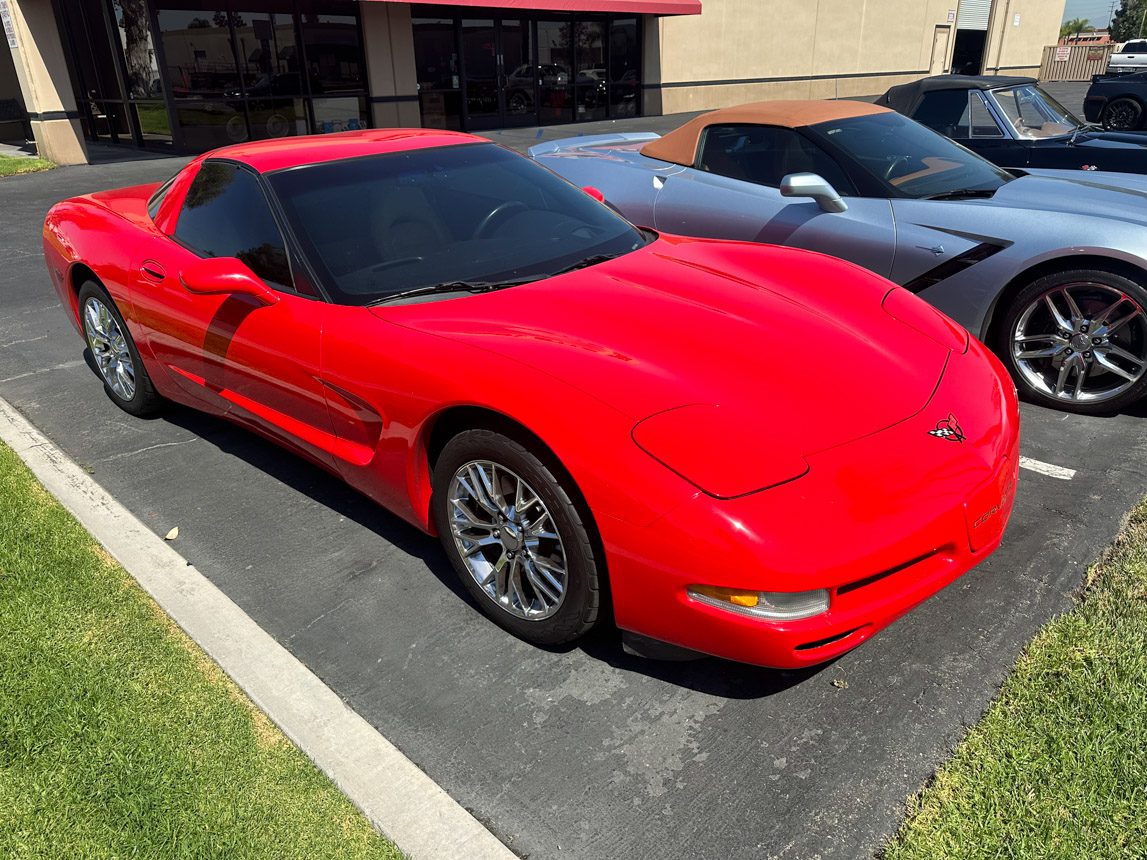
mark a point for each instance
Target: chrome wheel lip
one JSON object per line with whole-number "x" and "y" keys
{"x": 109, "y": 349}
{"x": 1062, "y": 355}
{"x": 507, "y": 539}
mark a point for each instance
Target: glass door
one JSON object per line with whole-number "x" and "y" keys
{"x": 499, "y": 76}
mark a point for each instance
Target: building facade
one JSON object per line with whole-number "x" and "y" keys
{"x": 190, "y": 75}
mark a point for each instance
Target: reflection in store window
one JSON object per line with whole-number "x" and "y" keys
{"x": 340, "y": 114}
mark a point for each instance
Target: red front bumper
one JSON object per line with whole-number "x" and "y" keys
{"x": 882, "y": 523}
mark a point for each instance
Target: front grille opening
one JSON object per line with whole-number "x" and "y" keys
{"x": 820, "y": 643}
{"x": 876, "y": 577}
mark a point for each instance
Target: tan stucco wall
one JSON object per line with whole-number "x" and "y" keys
{"x": 390, "y": 64}
{"x": 819, "y": 48}
{"x": 1018, "y": 49}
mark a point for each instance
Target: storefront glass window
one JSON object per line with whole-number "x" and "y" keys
{"x": 555, "y": 92}
{"x": 334, "y": 55}
{"x": 591, "y": 78}
{"x": 624, "y": 68}
{"x": 134, "y": 30}
{"x": 439, "y": 74}
{"x": 198, "y": 57}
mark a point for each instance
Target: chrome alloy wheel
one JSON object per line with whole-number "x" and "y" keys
{"x": 109, "y": 349}
{"x": 1081, "y": 342}
{"x": 507, "y": 539}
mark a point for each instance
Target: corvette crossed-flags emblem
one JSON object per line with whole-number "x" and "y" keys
{"x": 948, "y": 428}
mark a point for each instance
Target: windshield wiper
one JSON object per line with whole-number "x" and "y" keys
{"x": 455, "y": 287}
{"x": 1087, "y": 126}
{"x": 962, "y": 194}
{"x": 585, "y": 263}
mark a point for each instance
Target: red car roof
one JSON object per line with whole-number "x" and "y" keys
{"x": 282, "y": 152}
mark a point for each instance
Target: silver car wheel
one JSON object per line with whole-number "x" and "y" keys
{"x": 1081, "y": 342}
{"x": 109, "y": 349}
{"x": 507, "y": 538}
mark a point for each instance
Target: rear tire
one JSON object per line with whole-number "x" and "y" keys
{"x": 116, "y": 358}
{"x": 516, "y": 539}
{"x": 1077, "y": 340}
{"x": 1123, "y": 114}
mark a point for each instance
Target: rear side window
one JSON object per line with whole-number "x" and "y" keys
{"x": 225, "y": 214}
{"x": 156, "y": 199}
{"x": 945, "y": 111}
{"x": 766, "y": 154}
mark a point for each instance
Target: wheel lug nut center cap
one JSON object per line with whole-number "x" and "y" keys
{"x": 1081, "y": 342}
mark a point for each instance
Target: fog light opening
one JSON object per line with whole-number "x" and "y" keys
{"x": 771, "y": 605}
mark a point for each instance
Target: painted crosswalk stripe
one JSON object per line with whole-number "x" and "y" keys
{"x": 1047, "y": 469}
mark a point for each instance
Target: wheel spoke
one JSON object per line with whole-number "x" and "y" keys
{"x": 1113, "y": 349}
{"x": 515, "y": 591}
{"x": 1059, "y": 318}
{"x": 1061, "y": 382}
{"x": 472, "y": 521}
{"x": 1107, "y": 364}
{"x": 1081, "y": 370}
{"x": 1104, "y": 315}
{"x": 1120, "y": 323}
{"x": 548, "y": 590}
{"x": 1073, "y": 309}
{"x": 1046, "y": 352}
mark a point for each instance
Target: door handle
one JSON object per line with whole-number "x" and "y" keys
{"x": 152, "y": 270}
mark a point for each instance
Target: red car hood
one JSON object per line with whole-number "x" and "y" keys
{"x": 793, "y": 347}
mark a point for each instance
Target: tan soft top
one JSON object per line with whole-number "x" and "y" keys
{"x": 680, "y": 145}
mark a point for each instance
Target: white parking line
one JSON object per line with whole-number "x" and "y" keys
{"x": 398, "y": 798}
{"x": 1047, "y": 469}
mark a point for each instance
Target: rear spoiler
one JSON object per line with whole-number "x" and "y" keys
{"x": 590, "y": 140}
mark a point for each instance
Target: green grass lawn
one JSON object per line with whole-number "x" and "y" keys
{"x": 118, "y": 736}
{"x": 1057, "y": 768}
{"x": 10, "y": 165}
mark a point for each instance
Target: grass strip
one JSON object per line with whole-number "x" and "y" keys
{"x": 1057, "y": 767}
{"x": 11, "y": 165}
{"x": 118, "y": 736}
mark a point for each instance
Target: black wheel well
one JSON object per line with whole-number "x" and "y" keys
{"x": 79, "y": 275}
{"x": 1050, "y": 267}
{"x": 454, "y": 420}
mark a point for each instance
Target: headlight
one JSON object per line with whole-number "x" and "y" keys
{"x": 769, "y": 605}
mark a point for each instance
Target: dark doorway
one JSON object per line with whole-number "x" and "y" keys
{"x": 968, "y": 53}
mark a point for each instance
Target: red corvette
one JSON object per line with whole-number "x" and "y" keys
{"x": 758, "y": 453}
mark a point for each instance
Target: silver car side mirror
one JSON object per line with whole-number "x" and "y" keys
{"x": 816, "y": 187}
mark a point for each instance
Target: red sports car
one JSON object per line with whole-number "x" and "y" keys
{"x": 754, "y": 452}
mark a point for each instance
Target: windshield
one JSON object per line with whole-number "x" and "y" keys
{"x": 387, "y": 224}
{"x": 1035, "y": 114}
{"x": 908, "y": 159}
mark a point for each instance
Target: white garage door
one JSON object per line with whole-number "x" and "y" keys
{"x": 973, "y": 14}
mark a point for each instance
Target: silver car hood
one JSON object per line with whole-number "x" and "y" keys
{"x": 1121, "y": 196}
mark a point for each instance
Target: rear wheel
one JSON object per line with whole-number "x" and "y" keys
{"x": 113, "y": 351}
{"x": 1077, "y": 340}
{"x": 1122, "y": 115}
{"x": 515, "y": 538}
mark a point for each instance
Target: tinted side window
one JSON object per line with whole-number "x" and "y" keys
{"x": 226, "y": 214}
{"x": 765, "y": 154}
{"x": 983, "y": 123}
{"x": 157, "y": 198}
{"x": 945, "y": 111}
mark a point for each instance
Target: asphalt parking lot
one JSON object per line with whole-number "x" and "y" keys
{"x": 585, "y": 752}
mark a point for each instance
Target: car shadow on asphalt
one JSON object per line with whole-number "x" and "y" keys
{"x": 709, "y": 675}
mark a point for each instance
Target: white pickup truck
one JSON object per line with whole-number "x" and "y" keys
{"x": 1132, "y": 57}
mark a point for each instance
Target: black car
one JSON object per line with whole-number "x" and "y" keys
{"x": 1117, "y": 102}
{"x": 1014, "y": 123}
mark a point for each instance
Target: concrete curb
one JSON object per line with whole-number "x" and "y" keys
{"x": 398, "y": 798}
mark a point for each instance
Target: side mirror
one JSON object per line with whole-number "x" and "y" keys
{"x": 816, "y": 187}
{"x": 225, "y": 276}
{"x": 594, "y": 193}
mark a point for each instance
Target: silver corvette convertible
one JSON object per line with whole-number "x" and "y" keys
{"x": 1048, "y": 267}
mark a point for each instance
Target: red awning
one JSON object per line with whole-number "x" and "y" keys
{"x": 642, "y": 7}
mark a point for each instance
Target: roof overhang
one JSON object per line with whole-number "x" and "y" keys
{"x": 640, "y": 7}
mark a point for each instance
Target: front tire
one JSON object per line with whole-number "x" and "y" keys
{"x": 116, "y": 358}
{"x": 1077, "y": 341}
{"x": 1122, "y": 115}
{"x": 516, "y": 539}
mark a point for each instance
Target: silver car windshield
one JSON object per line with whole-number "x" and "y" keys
{"x": 908, "y": 159}
{"x": 1033, "y": 113}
